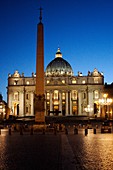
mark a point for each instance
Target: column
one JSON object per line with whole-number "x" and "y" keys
{"x": 91, "y": 102}
{"x": 21, "y": 103}
{"x": 66, "y": 103}
{"x": 10, "y": 99}
{"x": 24, "y": 101}
{"x": 51, "y": 107}
{"x": 70, "y": 101}
{"x": 45, "y": 105}
{"x": 60, "y": 103}
{"x": 32, "y": 103}
{"x": 79, "y": 103}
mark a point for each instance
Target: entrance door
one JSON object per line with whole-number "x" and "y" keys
{"x": 17, "y": 109}
{"x": 56, "y": 110}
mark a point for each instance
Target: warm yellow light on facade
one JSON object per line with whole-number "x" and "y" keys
{"x": 48, "y": 96}
{"x": 88, "y": 108}
{"x": 27, "y": 82}
{"x": 105, "y": 95}
{"x": 56, "y": 94}
{"x": 63, "y": 81}
{"x": 105, "y": 100}
{"x": 56, "y": 102}
{"x": 47, "y": 81}
{"x": 83, "y": 82}
{"x": 63, "y": 96}
{"x": 73, "y": 81}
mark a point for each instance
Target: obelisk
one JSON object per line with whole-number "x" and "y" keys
{"x": 39, "y": 90}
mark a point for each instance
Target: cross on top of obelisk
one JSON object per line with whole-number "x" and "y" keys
{"x": 40, "y": 18}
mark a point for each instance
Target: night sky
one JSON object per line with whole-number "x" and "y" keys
{"x": 83, "y": 29}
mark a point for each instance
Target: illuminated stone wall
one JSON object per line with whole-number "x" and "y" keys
{"x": 65, "y": 95}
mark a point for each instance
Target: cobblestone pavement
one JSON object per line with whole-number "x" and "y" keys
{"x": 30, "y": 152}
{"x": 91, "y": 152}
{"x": 56, "y": 152}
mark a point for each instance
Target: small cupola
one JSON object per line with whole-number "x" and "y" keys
{"x": 58, "y": 53}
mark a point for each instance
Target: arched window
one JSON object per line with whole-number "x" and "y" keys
{"x": 96, "y": 94}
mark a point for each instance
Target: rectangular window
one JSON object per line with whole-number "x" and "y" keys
{"x": 96, "y": 94}
{"x": 56, "y": 95}
{"x": 48, "y": 96}
{"x": 84, "y": 95}
{"x": 96, "y": 80}
{"x": 27, "y": 109}
{"x": 63, "y": 96}
{"x": 27, "y": 96}
{"x": 74, "y": 95}
{"x": 15, "y": 96}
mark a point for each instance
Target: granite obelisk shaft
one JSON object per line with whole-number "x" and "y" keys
{"x": 39, "y": 91}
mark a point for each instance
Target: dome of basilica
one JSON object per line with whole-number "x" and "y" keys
{"x": 59, "y": 66}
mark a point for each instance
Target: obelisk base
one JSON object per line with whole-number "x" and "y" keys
{"x": 39, "y": 117}
{"x": 39, "y": 108}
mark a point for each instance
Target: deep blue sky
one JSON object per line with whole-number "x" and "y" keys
{"x": 83, "y": 29}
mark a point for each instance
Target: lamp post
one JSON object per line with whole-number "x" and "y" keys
{"x": 105, "y": 102}
{"x": 88, "y": 109}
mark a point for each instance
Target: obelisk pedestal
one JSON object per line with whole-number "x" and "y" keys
{"x": 39, "y": 109}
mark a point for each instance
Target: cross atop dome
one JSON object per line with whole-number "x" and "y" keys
{"x": 58, "y": 53}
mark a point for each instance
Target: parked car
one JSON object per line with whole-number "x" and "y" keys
{"x": 106, "y": 128}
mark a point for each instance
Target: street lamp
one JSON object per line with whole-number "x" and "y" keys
{"x": 88, "y": 109}
{"x": 105, "y": 102}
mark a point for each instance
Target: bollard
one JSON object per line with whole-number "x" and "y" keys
{"x": 21, "y": 131}
{"x": 9, "y": 131}
{"x": 43, "y": 131}
{"x": 86, "y": 132}
{"x": 55, "y": 131}
{"x": 94, "y": 131}
{"x": 75, "y": 131}
{"x": 31, "y": 131}
{"x": 66, "y": 131}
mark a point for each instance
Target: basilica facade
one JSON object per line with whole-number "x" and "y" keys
{"x": 65, "y": 93}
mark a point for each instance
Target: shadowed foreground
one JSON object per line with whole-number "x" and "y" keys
{"x": 56, "y": 152}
